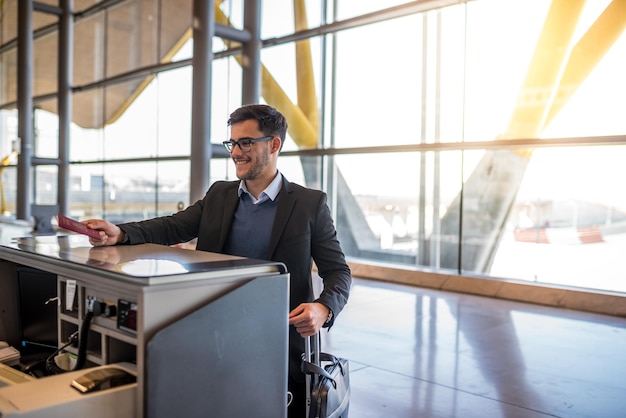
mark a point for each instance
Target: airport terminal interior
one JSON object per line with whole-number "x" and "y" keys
{"x": 471, "y": 153}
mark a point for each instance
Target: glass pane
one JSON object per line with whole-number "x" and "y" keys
{"x": 8, "y": 160}
{"x": 131, "y": 36}
{"x": 173, "y": 187}
{"x": 230, "y": 13}
{"x": 567, "y": 226}
{"x": 131, "y": 130}
{"x": 130, "y": 191}
{"x": 80, "y": 5}
{"x": 491, "y": 181}
{"x": 543, "y": 75}
{"x": 291, "y": 168}
{"x": 302, "y": 112}
{"x": 175, "y": 30}
{"x": 45, "y": 64}
{"x": 8, "y": 77}
{"x": 222, "y": 169}
{"x": 226, "y": 96}
{"x": 8, "y": 132}
{"x": 351, "y": 8}
{"x": 46, "y": 140}
{"x": 89, "y": 49}
{"x": 278, "y": 17}
{"x": 41, "y": 20}
{"x": 596, "y": 108}
{"x": 495, "y": 66}
{"x": 8, "y": 193}
{"x": 383, "y": 101}
{"x": 173, "y": 124}
{"x": 86, "y": 140}
{"x": 46, "y": 182}
{"x": 8, "y": 28}
{"x": 86, "y": 191}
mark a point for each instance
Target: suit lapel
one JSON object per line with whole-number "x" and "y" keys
{"x": 230, "y": 205}
{"x": 284, "y": 209}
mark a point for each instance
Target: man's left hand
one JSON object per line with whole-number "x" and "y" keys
{"x": 308, "y": 318}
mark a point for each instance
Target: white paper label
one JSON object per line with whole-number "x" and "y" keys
{"x": 70, "y": 292}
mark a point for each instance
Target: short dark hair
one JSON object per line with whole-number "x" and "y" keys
{"x": 271, "y": 121}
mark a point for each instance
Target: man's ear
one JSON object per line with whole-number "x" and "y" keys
{"x": 276, "y": 143}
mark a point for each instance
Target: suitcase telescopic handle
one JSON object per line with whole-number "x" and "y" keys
{"x": 314, "y": 357}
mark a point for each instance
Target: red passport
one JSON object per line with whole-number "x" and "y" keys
{"x": 73, "y": 225}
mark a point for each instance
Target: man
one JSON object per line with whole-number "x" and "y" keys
{"x": 262, "y": 216}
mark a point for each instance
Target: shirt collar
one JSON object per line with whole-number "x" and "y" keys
{"x": 270, "y": 192}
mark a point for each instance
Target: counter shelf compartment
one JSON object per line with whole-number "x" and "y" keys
{"x": 119, "y": 351}
{"x": 66, "y": 329}
{"x": 62, "y": 301}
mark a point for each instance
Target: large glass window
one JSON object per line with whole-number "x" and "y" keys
{"x": 438, "y": 93}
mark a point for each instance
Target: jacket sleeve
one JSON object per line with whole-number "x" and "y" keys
{"x": 167, "y": 230}
{"x": 330, "y": 260}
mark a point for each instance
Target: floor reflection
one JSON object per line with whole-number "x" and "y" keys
{"x": 424, "y": 353}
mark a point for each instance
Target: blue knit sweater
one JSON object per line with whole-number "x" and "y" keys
{"x": 251, "y": 228}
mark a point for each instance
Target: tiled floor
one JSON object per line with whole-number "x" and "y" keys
{"x": 424, "y": 353}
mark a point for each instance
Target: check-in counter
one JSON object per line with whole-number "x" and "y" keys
{"x": 206, "y": 333}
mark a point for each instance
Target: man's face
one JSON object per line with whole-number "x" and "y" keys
{"x": 257, "y": 162}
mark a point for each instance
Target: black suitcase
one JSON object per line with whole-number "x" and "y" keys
{"x": 327, "y": 382}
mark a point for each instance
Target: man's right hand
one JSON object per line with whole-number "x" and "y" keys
{"x": 112, "y": 233}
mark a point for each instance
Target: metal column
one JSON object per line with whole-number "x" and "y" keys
{"x": 203, "y": 30}
{"x": 66, "y": 41}
{"x": 251, "y": 54}
{"x": 25, "y": 107}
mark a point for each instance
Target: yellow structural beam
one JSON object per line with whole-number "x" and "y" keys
{"x": 307, "y": 98}
{"x": 544, "y": 69}
{"x": 558, "y": 69}
{"x": 587, "y": 53}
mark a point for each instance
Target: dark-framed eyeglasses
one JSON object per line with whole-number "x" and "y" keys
{"x": 245, "y": 144}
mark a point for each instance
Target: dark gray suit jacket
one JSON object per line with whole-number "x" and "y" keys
{"x": 303, "y": 231}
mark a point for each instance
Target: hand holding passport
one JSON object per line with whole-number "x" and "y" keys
{"x": 73, "y": 225}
